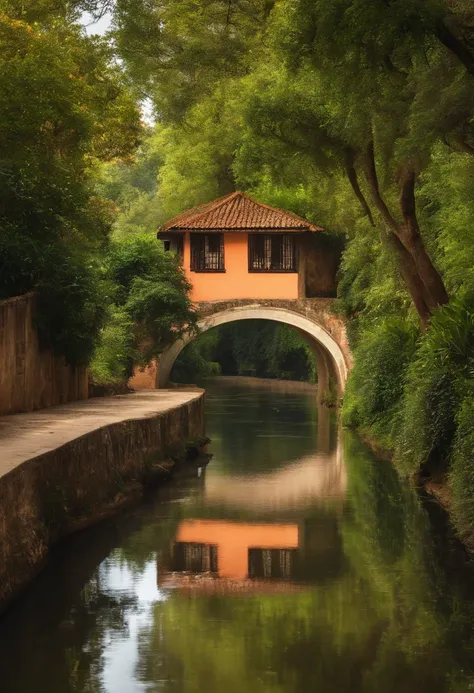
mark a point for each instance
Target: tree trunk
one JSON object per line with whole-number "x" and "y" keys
{"x": 410, "y": 236}
{"x": 423, "y": 281}
{"x": 354, "y": 181}
{"x": 410, "y": 277}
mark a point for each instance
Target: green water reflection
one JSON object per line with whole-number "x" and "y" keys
{"x": 350, "y": 589}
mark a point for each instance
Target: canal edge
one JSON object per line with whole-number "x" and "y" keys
{"x": 89, "y": 478}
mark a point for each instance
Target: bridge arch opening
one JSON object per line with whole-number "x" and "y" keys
{"x": 327, "y": 352}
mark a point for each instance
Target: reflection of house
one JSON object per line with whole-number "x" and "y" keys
{"x": 251, "y": 555}
{"x": 231, "y": 544}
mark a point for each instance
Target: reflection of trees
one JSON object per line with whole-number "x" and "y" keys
{"x": 61, "y": 638}
{"x": 386, "y": 617}
{"x": 392, "y": 622}
{"x": 57, "y": 637}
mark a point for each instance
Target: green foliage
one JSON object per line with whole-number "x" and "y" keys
{"x": 375, "y": 387}
{"x": 260, "y": 348}
{"x": 180, "y": 49}
{"x": 435, "y": 385}
{"x": 191, "y": 366}
{"x": 369, "y": 287}
{"x": 149, "y": 306}
{"x": 461, "y": 474}
{"x": 406, "y": 391}
{"x": 447, "y": 199}
{"x": 63, "y": 106}
{"x": 113, "y": 355}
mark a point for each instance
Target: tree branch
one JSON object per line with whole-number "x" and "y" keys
{"x": 354, "y": 181}
{"x": 410, "y": 235}
{"x": 455, "y": 45}
{"x": 373, "y": 181}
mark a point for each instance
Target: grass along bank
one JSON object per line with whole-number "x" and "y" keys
{"x": 412, "y": 393}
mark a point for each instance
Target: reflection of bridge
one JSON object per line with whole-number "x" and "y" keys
{"x": 295, "y": 486}
{"x": 319, "y": 476}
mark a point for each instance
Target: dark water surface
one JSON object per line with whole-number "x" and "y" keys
{"x": 295, "y": 563}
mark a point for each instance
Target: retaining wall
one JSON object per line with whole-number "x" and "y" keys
{"x": 32, "y": 378}
{"x": 56, "y": 493}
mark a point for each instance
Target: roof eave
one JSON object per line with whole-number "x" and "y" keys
{"x": 240, "y": 229}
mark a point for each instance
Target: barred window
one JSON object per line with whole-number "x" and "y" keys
{"x": 194, "y": 558}
{"x": 207, "y": 252}
{"x": 272, "y": 252}
{"x": 271, "y": 563}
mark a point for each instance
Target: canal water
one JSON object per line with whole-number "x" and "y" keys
{"x": 295, "y": 562}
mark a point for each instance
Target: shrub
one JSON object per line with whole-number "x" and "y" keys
{"x": 114, "y": 351}
{"x": 71, "y": 303}
{"x": 434, "y": 386}
{"x": 461, "y": 476}
{"x": 149, "y": 307}
{"x": 191, "y": 366}
{"x": 375, "y": 385}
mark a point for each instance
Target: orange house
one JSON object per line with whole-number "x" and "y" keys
{"x": 237, "y": 248}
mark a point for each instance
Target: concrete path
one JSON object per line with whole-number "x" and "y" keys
{"x": 25, "y": 436}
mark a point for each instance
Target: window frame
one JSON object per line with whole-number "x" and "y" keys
{"x": 265, "y": 238}
{"x": 197, "y": 255}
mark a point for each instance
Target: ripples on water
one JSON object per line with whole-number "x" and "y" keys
{"x": 295, "y": 563}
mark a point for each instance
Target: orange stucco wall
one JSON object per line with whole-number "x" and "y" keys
{"x": 237, "y": 281}
{"x": 234, "y": 540}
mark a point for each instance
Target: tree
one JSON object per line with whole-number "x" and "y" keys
{"x": 150, "y": 306}
{"x": 63, "y": 107}
{"x": 374, "y": 85}
{"x": 178, "y": 50}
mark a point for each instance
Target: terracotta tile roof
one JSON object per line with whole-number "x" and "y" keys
{"x": 237, "y": 212}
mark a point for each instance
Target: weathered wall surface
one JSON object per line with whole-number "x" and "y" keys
{"x": 31, "y": 378}
{"x": 51, "y": 495}
{"x": 144, "y": 378}
{"x": 319, "y": 264}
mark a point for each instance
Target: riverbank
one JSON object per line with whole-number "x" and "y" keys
{"x": 436, "y": 485}
{"x": 66, "y": 467}
{"x": 249, "y": 564}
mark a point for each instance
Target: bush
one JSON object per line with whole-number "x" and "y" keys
{"x": 191, "y": 366}
{"x": 149, "y": 307}
{"x": 375, "y": 386}
{"x": 461, "y": 476}
{"x": 434, "y": 386}
{"x": 110, "y": 364}
{"x": 71, "y": 303}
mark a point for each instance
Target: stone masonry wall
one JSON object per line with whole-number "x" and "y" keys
{"x": 51, "y": 495}
{"x": 32, "y": 378}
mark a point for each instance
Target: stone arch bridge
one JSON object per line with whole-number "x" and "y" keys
{"x": 312, "y": 317}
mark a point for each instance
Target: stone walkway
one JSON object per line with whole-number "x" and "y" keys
{"x": 25, "y": 436}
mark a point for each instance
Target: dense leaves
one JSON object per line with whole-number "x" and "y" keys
{"x": 260, "y": 348}
{"x": 150, "y": 307}
{"x": 62, "y": 106}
